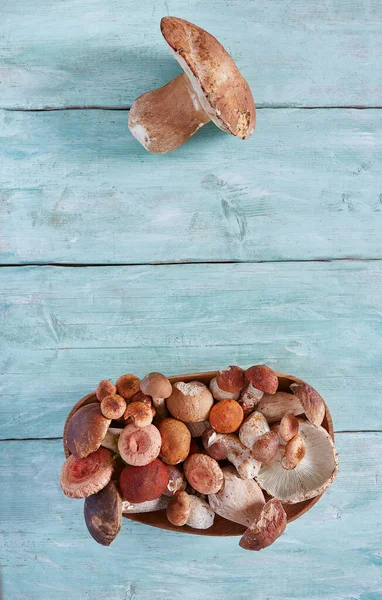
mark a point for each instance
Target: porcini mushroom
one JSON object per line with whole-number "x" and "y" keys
{"x": 239, "y": 500}
{"x": 267, "y": 527}
{"x": 113, "y": 406}
{"x": 289, "y": 426}
{"x": 220, "y": 394}
{"x": 141, "y": 484}
{"x": 82, "y": 477}
{"x": 265, "y": 448}
{"x": 86, "y": 430}
{"x": 262, "y": 378}
{"x": 176, "y": 440}
{"x": 253, "y": 428}
{"x": 226, "y": 416}
{"x": 103, "y": 514}
{"x": 105, "y": 388}
{"x": 139, "y": 446}
{"x": 185, "y": 509}
{"x": 176, "y": 480}
{"x": 211, "y": 88}
{"x": 140, "y": 413}
{"x": 275, "y": 406}
{"x": 312, "y": 475}
{"x": 231, "y": 379}
{"x": 228, "y": 446}
{"x": 128, "y": 385}
{"x": 203, "y": 473}
{"x": 190, "y": 402}
{"x": 311, "y": 401}
{"x": 159, "y": 388}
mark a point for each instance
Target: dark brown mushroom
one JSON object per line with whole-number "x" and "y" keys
{"x": 86, "y": 430}
{"x": 267, "y": 527}
{"x": 103, "y": 514}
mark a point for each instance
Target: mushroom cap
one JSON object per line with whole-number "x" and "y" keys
{"x": 311, "y": 477}
{"x": 312, "y": 402}
{"x": 128, "y": 385}
{"x": 138, "y": 446}
{"x": 103, "y": 514}
{"x": 113, "y": 406}
{"x": 203, "y": 473}
{"x": 265, "y": 448}
{"x": 190, "y": 402}
{"x": 263, "y": 378}
{"x": 141, "y": 413}
{"x": 220, "y": 394}
{"x": 268, "y": 526}
{"x": 226, "y": 416}
{"x": 275, "y": 406}
{"x": 231, "y": 379}
{"x": 220, "y": 87}
{"x": 140, "y": 484}
{"x": 82, "y": 477}
{"x": 86, "y": 430}
{"x": 239, "y": 500}
{"x": 289, "y": 427}
{"x": 176, "y": 439}
{"x": 178, "y": 508}
{"x": 105, "y": 388}
{"x": 156, "y": 385}
{"x": 253, "y": 428}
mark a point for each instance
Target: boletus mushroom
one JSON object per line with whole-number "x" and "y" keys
{"x": 103, "y": 514}
{"x": 267, "y": 527}
{"x": 86, "y": 430}
{"x": 82, "y": 477}
{"x": 210, "y": 89}
{"x": 176, "y": 439}
{"x": 159, "y": 388}
{"x": 228, "y": 446}
{"x": 190, "y": 402}
{"x": 141, "y": 484}
{"x": 186, "y": 509}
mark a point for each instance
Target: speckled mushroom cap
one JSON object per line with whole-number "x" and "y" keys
{"x": 220, "y": 87}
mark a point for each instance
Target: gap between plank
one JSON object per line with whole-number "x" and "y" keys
{"x": 261, "y": 107}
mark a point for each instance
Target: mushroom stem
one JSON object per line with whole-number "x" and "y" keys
{"x": 144, "y": 507}
{"x": 163, "y": 119}
{"x": 160, "y": 408}
{"x": 111, "y": 438}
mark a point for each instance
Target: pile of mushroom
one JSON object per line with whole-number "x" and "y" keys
{"x": 239, "y": 449}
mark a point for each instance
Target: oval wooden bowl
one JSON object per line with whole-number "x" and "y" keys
{"x": 221, "y": 527}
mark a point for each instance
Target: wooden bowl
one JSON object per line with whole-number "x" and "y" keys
{"x": 221, "y": 527}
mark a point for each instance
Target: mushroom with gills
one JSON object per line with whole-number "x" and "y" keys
{"x": 86, "y": 430}
{"x": 275, "y": 407}
{"x": 262, "y": 378}
{"x": 113, "y": 406}
{"x": 267, "y": 527}
{"x": 226, "y": 416}
{"x": 159, "y": 388}
{"x": 139, "y": 446}
{"x": 128, "y": 385}
{"x": 82, "y": 477}
{"x": 105, "y": 388}
{"x": 186, "y": 509}
{"x": 141, "y": 484}
{"x": 211, "y": 88}
{"x": 203, "y": 473}
{"x": 312, "y": 475}
{"x": 228, "y": 446}
{"x": 176, "y": 440}
{"x": 190, "y": 402}
{"x": 140, "y": 413}
{"x": 103, "y": 514}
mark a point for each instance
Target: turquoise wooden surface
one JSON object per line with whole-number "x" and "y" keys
{"x": 75, "y": 188}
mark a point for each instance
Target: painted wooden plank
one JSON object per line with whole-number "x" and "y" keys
{"x": 334, "y": 551}
{"x": 77, "y": 187}
{"x": 64, "y": 329}
{"x": 106, "y": 53}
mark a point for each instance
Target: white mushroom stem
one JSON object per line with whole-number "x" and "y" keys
{"x": 111, "y": 438}
{"x": 145, "y": 507}
{"x": 160, "y": 407}
{"x": 220, "y": 394}
{"x": 201, "y": 514}
{"x": 163, "y": 119}
{"x": 237, "y": 454}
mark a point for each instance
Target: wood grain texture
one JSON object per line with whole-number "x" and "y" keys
{"x": 47, "y": 553}
{"x": 64, "y": 329}
{"x": 77, "y": 187}
{"x": 298, "y": 53}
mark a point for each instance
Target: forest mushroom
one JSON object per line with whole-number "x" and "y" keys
{"x": 141, "y": 484}
{"x": 82, "y": 477}
{"x": 128, "y": 385}
{"x": 267, "y": 527}
{"x": 226, "y": 416}
{"x": 211, "y": 88}
{"x": 265, "y": 448}
{"x": 86, "y": 430}
{"x": 113, "y": 406}
{"x": 253, "y": 428}
{"x": 289, "y": 426}
{"x": 105, "y": 388}
{"x": 203, "y": 473}
{"x": 249, "y": 399}
{"x": 176, "y": 480}
{"x": 262, "y": 378}
{"x": 144, "y": 507}
{"x": 190, "y": 402}
{"x": 311, "y": 401}
{"x": 295, "y": 451}
{"x": 159, "y": 388}
{"x": 103, "y": 514}
{"x": 239, "y": 500}
{"x": 197, "y": 429}
{"x": 312, "y": 475}
{"x": 139, "y": 446}
{"x": 228, "y": 446}
{"x": 220, "y": 394}
{"x": 176, "y": 440}
{"x": 139, "y": 413}
{"x": 111, "y": 438}
{"x": 186, "y": 509}
{"x": 275, "y": 406}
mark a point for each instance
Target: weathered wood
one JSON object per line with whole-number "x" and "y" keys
{"x": 334, "y": 551}
{"x": 56, "y": 54}
{"x": 64, "y": 329}
{"x": 77, "y": 187}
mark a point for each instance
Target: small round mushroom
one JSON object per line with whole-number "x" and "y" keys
{"x": 289, "y": 426}
{"x": 211, "y": 88}
{"x": 203, "y": 473}
{"x": 252, "y": 429}
{"x": 176, "y": 440}
{"x": 228, "y": 446}
{"x": 184, "y": 509}
{"x": 141, "y": 484}
{"x": 159, "y": 388}
{"x": 226, "y": 416}
{"x": 263, "y": 378}
{"x": 190, "y": 402}
{"x": 176, "y": 480}
{"x": 265, "y": 448}
{"x": 113, "y": 406}
{"x": 275, "y": 406}
{"x": 138, "y": 446}
{"x": 103, "y": 514}
{"x": 140, "y": 413}
{"x": 82, "y": 477}
{"x": 294, "y": 453}
{"x": 86, "y": 430}
{"x": 249, "y": 399}
{"x": 105, "y": 388}
{"x": 220, "y": 394}
{"x": 231, "y": 379}
{"x": 267, "y": 527}
{"x": 128, "y": 385}
{"x": 311, "y": 401}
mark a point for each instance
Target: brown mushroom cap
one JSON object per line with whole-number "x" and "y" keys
{"x": 265, "y": 448}
{"x": 231, "y": 379}
{"x": 176, "y": 439}
{"x": 226, "y": 416}
{"x": 103, "y": 514}
{"x": 156, "y": 385}
{"x": 178, "y": 509}
{"x": 139, "y": 484}
{"x": 105, "y": 388}
{"x": 81, "y": 477}
{"x": 289, "y": 427}
{"x": 268, "y": 526}
{"x": 141, "y": 413}
{"x": 86, "y": 430}
{"x": 295, "y": 451}
{"x": 190, "y": 402}
{"x": 128, "y": 385}
{"x": 263, "y": 378}
{"x": 113, "y": 406}
{"x": 203, "y": 473}
{"x": 312, "y": 402}
{"x": 220, "y": 87}
{"x": 139, "y": 446}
